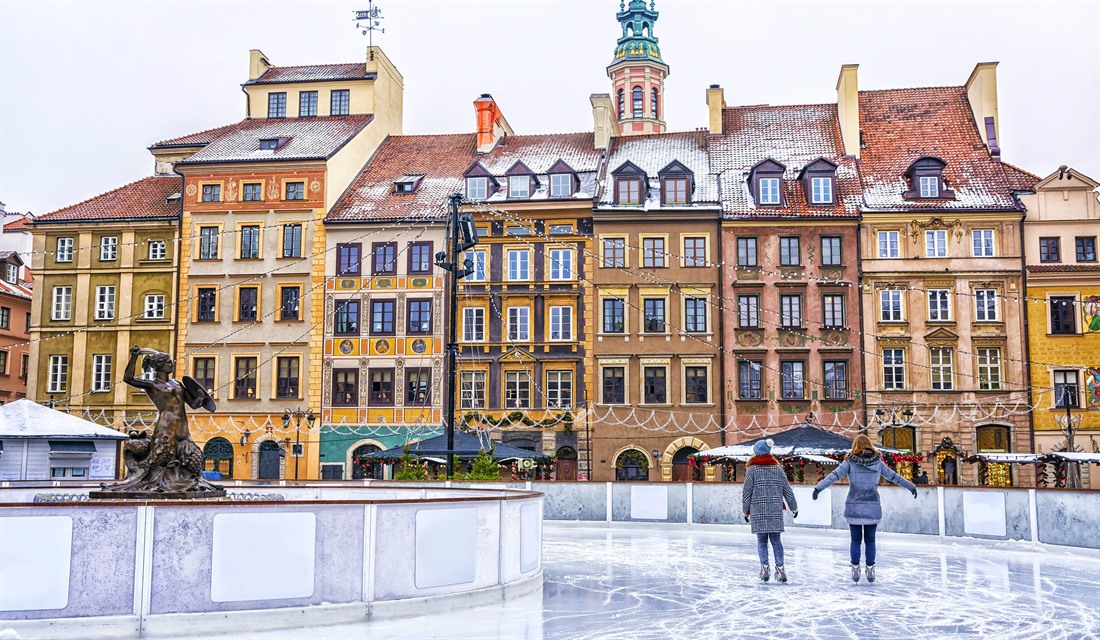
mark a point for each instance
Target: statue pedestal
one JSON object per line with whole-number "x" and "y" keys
{"x": 156, "y": 495}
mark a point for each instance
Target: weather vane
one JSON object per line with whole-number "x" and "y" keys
{"x": 370, "y": 21}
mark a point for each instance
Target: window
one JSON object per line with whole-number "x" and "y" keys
{"x": 477, "y": 188}
{"x": 628, "y": 191}
{"x": 203, "y": 371}
{"x": 653, "y": 252}
{"x": 158, "y": 249}
{"x": 519, "y": 324}
{"x": 340, "y": 102}
{"x": 942, "y": 368}
{"x": 345, "y": 387}
{"x": 307, "y": 104}
{"x": 637, "y": 102}
{"x": 248, "y": 299}
{"x": 559, "y": 389}
{"x": 12, "y": 274}
{"x": 1050, "y": 250}
{"x": 613, "y": 318}
{"x": 561, "y": 229}
{"x": 346, "y": 320}
{"x": 473, "y": 324}
{"x": 695, "y": 252}
{"x": 108, "y": 248}
{"x": 939, "y": 305}
{"x": 64, "y": 250}
{"x": 276, "y": 105}
{"x": 1062, "y": 314}
{"x": 890, "y": 305}
{"x": 27, "y": 325}
{"x": 59, "y": 374}
{"x": 295, "y": 191}
{"x": 746, "y": 252}
{"x": 479, "y": 259}
{"x": 790, "y": 251}
{"x": 418, "y": 386}
{"x": 821, "y": 190}
{"x": 472, "y": 390}
{"x": 211, "y": 193}
{"x": 655, "y": 385}
{"x": 561, "y": 323}
{"x": 519, "y": 264}
{"x": 420, "y": 257}
{"x": 935, "y": 243}
{"x": 836, "y": 380}
{"x": 654, "y": 310}
{"x": 830, "y": 251}
{"x": 518, "y": 231}
{"x": 271, "y": 144}
{"x": 893, "y": 368}
{"x": 208, "y": 243}
{"x": 986, "y": 302}
{"x": 614, "y": 385}
{"x": 154, "y": 306}
{"x": 622, "y": 104}
{"x": 24, "y": 366}
{"x": 1086, "y": 249}
{"x": 250, "y": 242}
{"x": 384, "y": 255}
{"x": 253, "y": 192}
{"x": 420, "y": 316}
{"x": 653, "y": 103}
{"x": 748, "y": 311}
{"x": 101, "y": 373}
{"x": 381, "y": 313}
{"x": 561, "y": 185}
{"x": 929, "y": 187}
{"x": 792, "y": 379}
{"x": 695, "y": 385}
{"x": 519, "y": 186}
{"x": 5, "y": 319}
{"x": 517, "y": 389}
{"x": 289, "y": 300}
{"x": 769, "y": 191}
{"x": 832, "y": 307}
{"x": 292, "y": 241}
{"x": 989, "y": 369}
{"x": 244, "y": 378}
{"x": 888, "y": 244}
{"x": 62, "y": 303}
{"x": 348, "y": 262}
{"x": 614, "y": 252}
{"x": 749, "y": 379}
{"x": 695, "y": 315}
{"x": 675, "y": 190}
{"x": 207, "y": 304}
{"x": 381, "y": 387}
{"x": 983, "y": 243}
{"x": 790, "y": 311}
{"x": 1065, "y": 388}
{"x": 286, "y": 377}
{"x": 561, "y": 264}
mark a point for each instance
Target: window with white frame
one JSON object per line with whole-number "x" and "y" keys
{"x": 561, "y": 264}
{"x": 12, "y": 274}
{"x": 939, "y": 305}
{"x": 519, "y": 187}
{"x": 64, "y": 250}
{"x": 108, "y": 248}
{"x": 519, "y": 264}
{"x": 748, "y": 311}
{"x": 942, "y": 365}
{"x": 821, "y": 190}
{"x": 472, "y": 393}
{"x": 790, "y": 311}
{"x": 101, "y": 373}
{"x": 893, "y": 369}
{"x": 559, "y": 389}
{"x": 473, "y": 324}
{"x": 769, "y": 191}
{"x": 59, "y": 374}
{"x": 929, "y": 186}
{"x": 480, "y": 266}
{"x": 519, "y": 324}
{"x": 983, "y": 243}
{"x": 477, "y": 188}
{"x": 561, "y": 323}
{"x": 561, "y": 185}
{"x": 889, "y": 245}
{"x": 158, "y": 249}
{"x": 935, "y": 243}
{"x": 62, "y": 303}
{"x": 105, "y": 302}
{"x": 985, "y": 301}
{"x": 154, "y": 306}
{"x": 989, "y": 369}
{"x": 832, "y": 307}
{"x": 890, "y": 305}
{"x": 517, "y": 389}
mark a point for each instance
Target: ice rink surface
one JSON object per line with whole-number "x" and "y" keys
{"x": 633, "y": 583}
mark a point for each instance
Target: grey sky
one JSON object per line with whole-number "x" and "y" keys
{"x": 85, "y": 87}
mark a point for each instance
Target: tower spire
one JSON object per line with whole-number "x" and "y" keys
{"x": 637, "y": 71}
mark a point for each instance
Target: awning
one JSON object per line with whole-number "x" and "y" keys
{"x": 72, "y": 447}
{"x": 1075, "y": 456}
{"x": 817, "y": 459}
{"x": 1008, "y": 458}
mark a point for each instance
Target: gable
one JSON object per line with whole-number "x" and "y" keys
{"x": 768, "y": 166}
{"x": 517, "y": 355}
{"x": 477, "y": 171}
{"x": 560, "y": 167}
{"x": 675, "y": 168}
{"x": 821, "y": 165}
{"x": 628, "y": 169}
{"x": 519, "y": 169}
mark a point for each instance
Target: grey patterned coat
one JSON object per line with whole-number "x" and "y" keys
{"x": 862, "y": 505}
{"x": 765, "y": 490}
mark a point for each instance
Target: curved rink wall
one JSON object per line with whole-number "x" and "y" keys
{"x": 324, "y": 555}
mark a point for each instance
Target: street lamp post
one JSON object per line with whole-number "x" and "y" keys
{"x": 1073, "y": 478}
{"x": 893, "y": 425}
{"x": 297, "y": 415}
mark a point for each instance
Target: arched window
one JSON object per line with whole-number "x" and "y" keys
{"x": 684, "y": 467}
{"x": 217, "y": 458}
{"x": 638, "y": 100}
{"x": 632, "y": 465}
{"x": 622, "y": 104}
{"x": 363, "y": 467}
{"x": 653, "y": 103}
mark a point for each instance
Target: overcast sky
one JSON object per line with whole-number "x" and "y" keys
{"x": 85, "y": 87}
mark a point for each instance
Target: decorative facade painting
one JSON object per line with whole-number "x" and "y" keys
{"x": 1090, "y": 308}
{"x": 1092, "y": 388}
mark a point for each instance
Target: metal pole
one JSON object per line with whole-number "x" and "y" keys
{"x": 297, "y": 444}
{"x": 452, "y": 339}
{"x": 1072, "y": 481}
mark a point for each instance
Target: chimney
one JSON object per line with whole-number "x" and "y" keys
{"x": 257, "y": 64}
{"x": 981, "y": 92}
{"x": 716, "y": 101}
{"x": 847, "y": 108}
{"x": 491, "y": 125}
{"x": 604, "y": 125}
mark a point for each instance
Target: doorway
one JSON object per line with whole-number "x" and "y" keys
{"x": 270, "y": 457}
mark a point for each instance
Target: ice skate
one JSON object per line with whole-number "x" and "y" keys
{"x": 855, "y": 573}
{"x": 870, "y": 573}
{"x": 780, "y": 574}
{"x": 764, "y": 572}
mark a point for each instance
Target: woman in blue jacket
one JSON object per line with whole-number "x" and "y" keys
{"x": 862, "y": 509}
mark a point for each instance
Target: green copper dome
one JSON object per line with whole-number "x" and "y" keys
{"x": 638, "y": 41}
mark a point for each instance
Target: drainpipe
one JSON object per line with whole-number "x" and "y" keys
{"x": 1027, "y": 334}
{"x": 179, "y": 267}
{"x": 862, "y": 345}
{"x": 719, "y": 322}
{"x": 247, "y": 103}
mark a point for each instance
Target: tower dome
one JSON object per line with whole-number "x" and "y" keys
{"x": 637, "y": 71}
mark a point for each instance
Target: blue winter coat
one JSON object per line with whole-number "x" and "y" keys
{"x": 765, "y": 490}
{"x": 863, "y": 471}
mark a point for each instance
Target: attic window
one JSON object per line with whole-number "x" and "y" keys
{"x": 519, "y": 186}
{"x": 173, "y": 198}
{"x": 477, "y": 188}
{"x": 630, "y": 184}
{"x": 563, "y": 180}
{"x": 819, "y": 182}
{"x": 926, "y": 181}
{"x": 766, "y": 183}
{"x": 677, "y": 183}
{"x": 271, "y": 144}
{"x": 407, "y": 184}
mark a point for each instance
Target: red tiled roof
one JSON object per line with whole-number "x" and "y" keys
{"x": 653, "y": 152}
{"x": 308, "y": 139}
{"x": 314, "y": 73}
{"x": 1063, "y": 268}
{"x": 141, "y": 200}
{"x": 196, "y": 139}
{"x": 21, "y": 290}
{"x": 1019, "y": 179}
{"x": 901, "y": 126}
{"x": 19, "y": 224}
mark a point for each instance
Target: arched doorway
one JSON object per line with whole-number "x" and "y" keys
{"x": 566, "y": 463}
{"x": 994, "y": 438}
{"x": 363, "y": 467}
{"x": 631, "y": 466}
{"x": 217, "y": 458}
{"x": 270, "y": 457}
{"x": 682, "y": 468}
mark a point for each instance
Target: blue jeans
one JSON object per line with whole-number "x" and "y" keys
{"x": 762, "y": 547}
{"x": 863, "y": 534}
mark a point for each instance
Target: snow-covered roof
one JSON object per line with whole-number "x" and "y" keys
{"x": 1076, "y": 456}
{"x": 651, "y": 154}
{"x": 28, "y": 419}
{"x": 1004, "y": 457}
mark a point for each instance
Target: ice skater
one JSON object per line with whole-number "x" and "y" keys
{"x": 862, "y": 509}
{"x": 766, "y": 488}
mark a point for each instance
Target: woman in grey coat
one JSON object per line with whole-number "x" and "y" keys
{"x": 862, "y": 509}
{"x": 762, "y": 497}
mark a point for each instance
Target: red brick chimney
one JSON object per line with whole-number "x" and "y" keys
{"x": 491, "y": 125}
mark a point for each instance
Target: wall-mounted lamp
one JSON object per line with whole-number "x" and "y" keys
{"x": 244, "y": 437}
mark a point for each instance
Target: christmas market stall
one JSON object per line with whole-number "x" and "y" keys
{"x": 994, "y": 469}
{"x": 1052, "y": 469}
{"x": 430, "y": 455}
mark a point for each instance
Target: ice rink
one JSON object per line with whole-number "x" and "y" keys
{"x": 674, "y": 582}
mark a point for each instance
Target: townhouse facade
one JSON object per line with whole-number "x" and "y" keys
{"x": 16, "y": 295}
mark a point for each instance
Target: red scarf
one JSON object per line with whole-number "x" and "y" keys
{"x": 766, "y": 460}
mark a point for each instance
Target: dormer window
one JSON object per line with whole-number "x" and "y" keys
{"x": 563, "y": 180}
{"x": 766, "y": 183}
{"x": 769, "y": 190}
{"x": 630, "y": 184}
{"x": 929, "y": 187}
{"x": 271, "y": 144}
{"x": 926, "y": 180}
{"x": 519, "y": 186}
{"x": 477, "y": 188}
{"x": 819, "y": 182}
{"x": 407, "y": 184}
{"x": 821, "y": 190}
{"x": 677, "y": 183}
